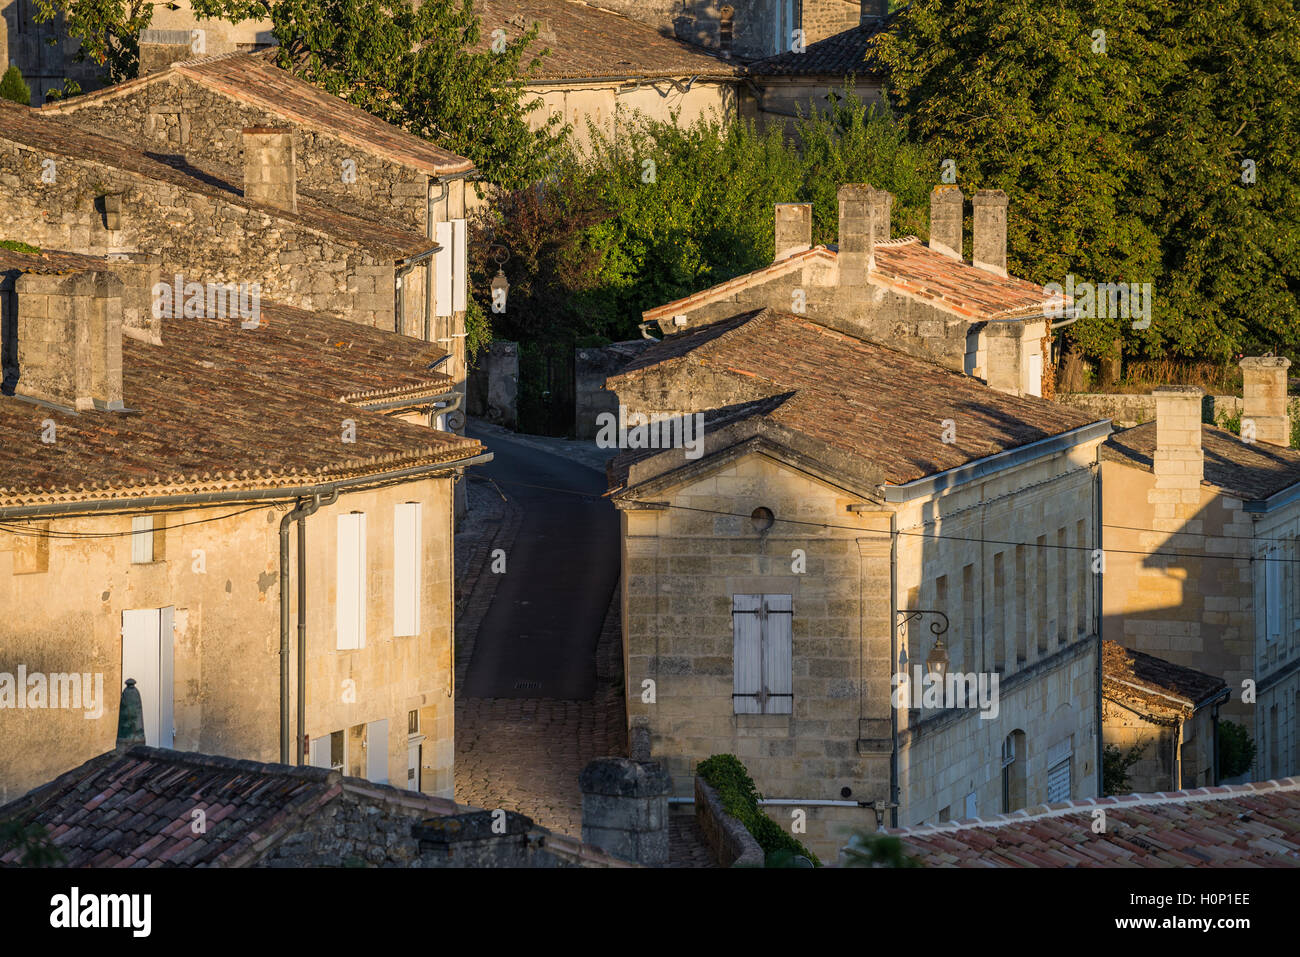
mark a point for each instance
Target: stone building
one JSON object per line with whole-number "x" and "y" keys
{"x": 753, "y": 29}
{"x": 336, "y": 159}
{"x": 1202, "y": 541}
{"x": 255, "y": 814}
{"x": 1170, "y": 713}
{"x": 154, "y": 472}
{"x": 927, "y": 300}
{"x": 851, "y": 519}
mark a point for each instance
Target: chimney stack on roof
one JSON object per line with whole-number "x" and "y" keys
{"x": 159, "y": 49}
{"x": 946, "y": 207}
{"x": 1179, "y": 460}
{"x": 270, "y": 167}
{"x": 864, "y": 221}
{"x": 1264, "y": 413}
{"x": 871, "y": 11}
{"x": 989, "y": 250}
{"x": 793, "y": 229}
{"x": 69, "y": 332}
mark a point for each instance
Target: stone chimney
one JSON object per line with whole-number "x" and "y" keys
{"x": 1013, "y": 356}
{"x": 69, "y": 330}
{"x": 1179, "y": 460}
{"x": 625, "y": 809}
{"x": 270, "y": 167}
{"x": 159, "y": 49}
{"x": 793, "y": 229}
{"x": 946, "y": 208}
{"x": 864, "y": 221}
{"x": 130, "y": 717}
{"x": 1264, "y": 400}
{"x": 990, "y": 239}
{"x": 870, "y": 11}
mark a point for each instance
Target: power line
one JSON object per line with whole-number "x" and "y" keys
{"x": 24, "y": 531}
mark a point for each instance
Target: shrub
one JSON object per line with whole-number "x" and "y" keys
{"x": 13, "y": 88}
{"x": 740, "y": 798}
{"x": 1236, "y": 749}
{"x": 1114, "y": 767}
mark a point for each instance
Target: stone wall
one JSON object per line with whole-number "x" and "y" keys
{"x": 825, "y": 18}
{"x": 732, "y": 845}
{"x": 206, "y": 236}
{"x": 625, "y": 809}
{"x": 1177, "y": 754}
{"x": 591, "y": 368}
{"x": 226, "y": 642}
{"x": 493, "y": 389}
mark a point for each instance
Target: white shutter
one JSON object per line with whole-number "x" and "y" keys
{"x": 351, "y": 591}
{"x": 747, "y": 674}
{"x": 145, "y": 659}
{"x": 319, "y": 756}
{"x": 1273, "y": 593}
{"x": 1058, "y": 770}
{"x": 406, "y": 568}
{"x": 1035, "y": 384}
{"x": 443, "y": 259}
{"x": 141, "y": 539}
{"x": 778, "y": 654}
{"x": 971, "y": 809}
{"x": 377, "y": 751}
{"x": 460, "y": 281}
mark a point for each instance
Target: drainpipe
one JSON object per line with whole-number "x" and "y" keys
{"x": 428, "y": 234}
{"x": 1097, "y": 590}
{"x": 301, "y": 513}
{"x": 298, "y": 513}
{"x": 893, "y": 663}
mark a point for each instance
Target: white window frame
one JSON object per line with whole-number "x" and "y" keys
{"x": 763, "y": 676}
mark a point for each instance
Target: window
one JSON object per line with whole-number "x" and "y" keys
{"x": 944, "y": 815}
{"x": 413, "y": 722}
{"x": 449, "y": 268}
{"x": 328, "y": 751}
{"x": 376, "y": 745}
{"x": 1058, "y": 771}
{"x": 968, "y": 618}
{"x": 146, "y": 540}
{"x": 1083, "y": 566}
{"x": 763, "y": 657}
{"x": 1013, "y": 772}
{"x": 971, "y": 809}
{"x": 1062, "y": 587}
{"x": 31, "y": 549}
{"x": 1272, "y": 593}
{"x": 351, "y": 594}
{"x": 997, "y": 633}
{"x": 1020, "y": 627}
{"x": 1040, "y": 593}
{"x": 147, "y": 657}
{"x": 407, "y": 563}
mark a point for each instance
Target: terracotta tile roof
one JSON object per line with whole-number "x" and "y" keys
{"x": 54, "y": 136}
{"x": 904, "y": 265}
{"x": 909, "y": 266}
{"x": 843, "y": 54}
{"x": 587, "y": 42}
{"x": 1242, "y": 825}
{"x": 723, "y": 290}
{"x": 49, "y": 262}
{"x": 1153, "y": 684}
{"x": 857, "y": 397}
{"x": 1250, "y": 471}
{"x": 217, "y": 408}
{"x": 254, "y": 79}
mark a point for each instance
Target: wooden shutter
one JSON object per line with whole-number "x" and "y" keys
{"x": 443, "y": 259}
{"x": 351, "y": 591}
{"x": 141, "y": 539}
{"x": 1273, "y": 593}
{"x": 1058, "y": 771}
{"x": 778, "y": 653}
{"x": 147, "y": 657}
{"x": 377, "y": 751}
{"x": 747, "y": 668}
{"x": 319, "y": 752}
{"x": 460, "y": 272}
{"x": 407, "y": 555}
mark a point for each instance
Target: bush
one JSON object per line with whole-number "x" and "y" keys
{"x": 1114, "y": 767}
{"x": 1236, "y": 749}
{"x": 13, "y": 88}
{"x": 740, "y": 798}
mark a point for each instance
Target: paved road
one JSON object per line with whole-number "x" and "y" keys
{"x": 538, "y": 638}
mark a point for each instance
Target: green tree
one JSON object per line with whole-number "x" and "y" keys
{"x": 13, "y": 88}
{"x": 1236, "y": 749}
{"x": 1114, "y": 767}
{"x": 1119, "y": 129}
{"x": 33, "y": 841}
{"x": 108, "y": 30}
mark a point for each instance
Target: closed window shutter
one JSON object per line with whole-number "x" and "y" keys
{"x": 377, "y": 751}
{"x": 1273, "y": 592}
{"x": 351, "y": 591}
{"x": 747, "y": 659}
{"x": 406, "y": 568}
{"x": 319, "y": 756}
{"x": 1058, "y": 771}
{"x": 778, "y": 654}
{"x": 460, "y": 277}
{"x": 141, "y": 539}
{"x": 443, "y": 259}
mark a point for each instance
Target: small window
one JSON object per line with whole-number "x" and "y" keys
{"x": 763, "y": 654}
{"x": 413, "y": 722}
{"x": 141, "y": 539}
{"x": 1058, "y": 771}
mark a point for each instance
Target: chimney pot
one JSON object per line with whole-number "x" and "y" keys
{"x": 270, "y": 167}
{"x": 946, "y": 208}
{"x": 793, "y": 229}
{"x": 989, "y": 250}
{"x": 1264, "y": 399}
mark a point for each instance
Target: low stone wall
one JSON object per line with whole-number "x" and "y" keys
{"x": 591, "y": 367}
{"x": 492, "y": 390}
{"x": 732, "y": 845}
{"x": 1126, "y": 411}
